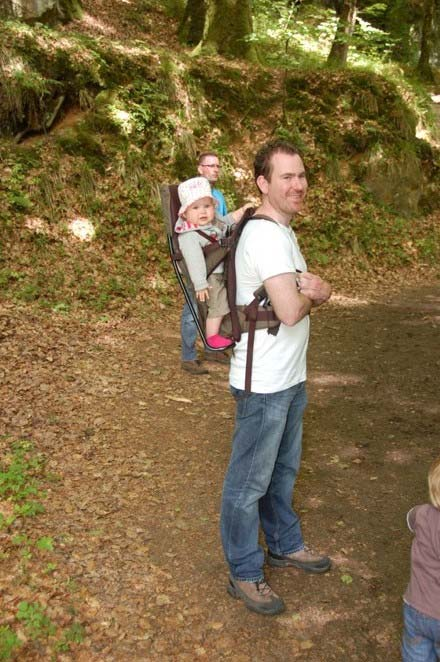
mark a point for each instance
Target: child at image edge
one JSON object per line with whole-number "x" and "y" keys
{"x": 197, "y": 215}
{"x": 421, "y": 609}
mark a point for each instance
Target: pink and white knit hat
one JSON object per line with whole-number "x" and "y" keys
{"x": 192, "y": 190}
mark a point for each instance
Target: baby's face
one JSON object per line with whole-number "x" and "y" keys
{"x": 201, "y": 212}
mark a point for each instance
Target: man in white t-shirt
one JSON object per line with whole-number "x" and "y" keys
{"x": 266, "y": 447}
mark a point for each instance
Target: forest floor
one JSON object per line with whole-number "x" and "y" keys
{"x": 134, "y": 511}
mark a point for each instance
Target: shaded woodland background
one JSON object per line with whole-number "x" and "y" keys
{"x": 97, "y": 111}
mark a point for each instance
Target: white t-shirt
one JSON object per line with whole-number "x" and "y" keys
{"x": 264, "y": 250}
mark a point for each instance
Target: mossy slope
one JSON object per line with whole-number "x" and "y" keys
{"x": 135, "y": 117}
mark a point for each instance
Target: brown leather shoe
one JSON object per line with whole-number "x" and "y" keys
{"x": 217, "y": 357}
{"x": 194, "y": 367}
{"x": 257, "y": 596}
{"x": 305, "y": 559}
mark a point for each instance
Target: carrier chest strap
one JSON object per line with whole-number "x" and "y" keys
{"x": 213, "y": 240}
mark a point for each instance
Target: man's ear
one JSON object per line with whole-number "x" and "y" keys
{"x": 200, "y": 170}
{"x": 262, "y": 184}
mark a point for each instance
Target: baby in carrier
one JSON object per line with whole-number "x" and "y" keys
{"x": 197, "y": 225}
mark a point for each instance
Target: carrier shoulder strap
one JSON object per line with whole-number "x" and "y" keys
{"x": 231, "y": 276}
{"x": 258, "y": 313}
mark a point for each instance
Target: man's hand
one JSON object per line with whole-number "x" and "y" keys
{"x": 203, "y": 295}
{"x": 314, "y": 288}
{"x": 289, "y": 304}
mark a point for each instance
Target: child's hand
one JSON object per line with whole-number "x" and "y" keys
{"x": 237, "y": 215}
{"x": 203, "y": 295}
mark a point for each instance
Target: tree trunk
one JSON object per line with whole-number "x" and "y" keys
{"x": 31, "y": 10}
{"x": 193, "y": 22}
{"x": 346, "y": 12}
{"x": 424, "y": 65}
{"x": 227, "y": 24}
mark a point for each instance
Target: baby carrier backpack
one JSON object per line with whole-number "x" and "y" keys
{"x": 258, "y": 314}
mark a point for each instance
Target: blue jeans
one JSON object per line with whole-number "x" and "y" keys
{"x": 188, "y": 334}
{"x": 421, "y": 636}
{"x": 258, "y": 487}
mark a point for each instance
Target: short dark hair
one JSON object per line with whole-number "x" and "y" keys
{"x": 203, "y": 156}
{"x": 263, "y": 159}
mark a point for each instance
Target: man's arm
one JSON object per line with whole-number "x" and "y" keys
{"x": 314, "y": 288}
{"x": 292, "y": 304}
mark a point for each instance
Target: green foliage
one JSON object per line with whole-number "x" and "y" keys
{"x": 19, "y": 472}
{"x": 16, "y": 197}
{"x": 25, "y": 91}
{"x": 73, "y": 635}
{"x": 81, "y": 142}
{"x": 402, "y": 19}
{"x": 346, "y": 221}
{"x": 45, "y": 543}
{"x": 37, "y": 624}
{"x": 29, "y": 292}
{"x": 346, "y": 579}
{"x": 38, "y": 64}
{"x": 300, "y": 35}
{"x": 7, "y": 276}
{"x": 140, "y": 111}
{"x": 19, "y": 483}
{"x": 291, "y": 35}
{"x": 61, "y": 307}
{"x": 174, "y": 7}
{"x": 147, "y": 115}
{"x": 9, "y": 643}
{"x": 29, "y": 509}
{"x": 19, "y": 201}
{"x": 369, "y": 44}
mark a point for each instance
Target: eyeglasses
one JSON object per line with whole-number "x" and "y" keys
{"x": 210, "y": 165}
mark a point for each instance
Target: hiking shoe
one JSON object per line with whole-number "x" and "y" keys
{"x": 257, "y": 596}
{"x": 305, "y": 559}
{"x": 217, "y": 357}
{"x": 194, "y": 367}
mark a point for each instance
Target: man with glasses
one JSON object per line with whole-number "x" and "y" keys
{"x": 208, "y": 165}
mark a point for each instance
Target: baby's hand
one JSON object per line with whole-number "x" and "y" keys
{"x": 238, "y": 213}
{"x": 203, "y": 295}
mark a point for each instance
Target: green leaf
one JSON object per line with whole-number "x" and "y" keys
{"x": 9, "y": 642}
{"x": 346, "y": 579}
{"x": 45, "y": 543}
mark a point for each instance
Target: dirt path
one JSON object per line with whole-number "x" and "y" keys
{"x": 135, "y": 513}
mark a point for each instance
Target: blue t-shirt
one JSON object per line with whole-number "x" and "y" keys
{"x": 221, "y": 207}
